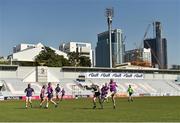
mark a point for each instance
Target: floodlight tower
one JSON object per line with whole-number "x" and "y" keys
{"x": 109, "y": 15}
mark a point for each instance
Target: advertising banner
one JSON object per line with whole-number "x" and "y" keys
{"x": 108, "y": 75}
{"x": 33, "y": 97}
{"x": 12, "y": 98}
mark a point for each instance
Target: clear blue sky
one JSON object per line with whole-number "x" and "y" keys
{"x": 54, "y": 21}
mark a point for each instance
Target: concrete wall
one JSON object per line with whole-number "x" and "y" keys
{"x": 71, "y": 74}
{"x": 54, "y": 74}
{"x": 23, "y": 72}
{"x": 8, "y": 74}
{"x": 31, "y": 77}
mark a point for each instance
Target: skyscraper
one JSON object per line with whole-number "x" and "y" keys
{"x": 102, "y": 48}
{"x": 158, "y": 47}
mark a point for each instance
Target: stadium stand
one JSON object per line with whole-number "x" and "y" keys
{"x": 14, "y": 79}
{"x": 15, "y": 87}
{"x": 177, "y": 81}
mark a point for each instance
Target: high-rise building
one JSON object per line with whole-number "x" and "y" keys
{"x": 158, "y": 47}
{"x": 102, "y": 48}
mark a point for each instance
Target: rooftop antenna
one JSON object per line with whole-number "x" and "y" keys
{"x": 109, "y": 15}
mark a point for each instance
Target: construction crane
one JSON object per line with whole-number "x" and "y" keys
{"x": 138, "y": 61}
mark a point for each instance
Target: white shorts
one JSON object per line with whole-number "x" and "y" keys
{"x": 28, "y": 99}
{"x": 58, "y": 94}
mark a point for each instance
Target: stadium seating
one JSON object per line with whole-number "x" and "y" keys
{"x": 15, "y": 87}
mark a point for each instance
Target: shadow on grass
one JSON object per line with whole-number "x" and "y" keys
{"x": 34, "y": 107}
{"x": 87, "y": 108}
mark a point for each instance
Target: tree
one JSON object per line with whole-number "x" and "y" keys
{"x": 49, "y": 58}
{"x": 74, "y": 58}
{"x": 3, "y": 60}
{"x": 84, "y": 61}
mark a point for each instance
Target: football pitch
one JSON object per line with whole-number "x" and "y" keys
{"x": 143, "y": 109}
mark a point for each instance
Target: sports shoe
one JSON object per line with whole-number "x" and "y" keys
{"x": 94, "y": 107}
{"x": 114, "y": 107}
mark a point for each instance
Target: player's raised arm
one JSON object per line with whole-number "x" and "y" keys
{"x": 88, "y": 87}
{"x": 33, "y": 91}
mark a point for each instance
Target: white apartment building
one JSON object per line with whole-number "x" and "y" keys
{"x": 83, "y": 48}
{"x": 21, "y": 47}
{"x": 147, "y": 55}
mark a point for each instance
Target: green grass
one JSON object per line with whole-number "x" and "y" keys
{"x": 149, "y": 109}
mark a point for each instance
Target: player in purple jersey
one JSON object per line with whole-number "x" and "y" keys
{"x": 113, "y": 90}
{"x": 104, "y": 92}
{"x": 29, "y": 92}
{"x": 50, "y": 95}
{"x": 62, "y": 93}
{"x": 42, "y": 95}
